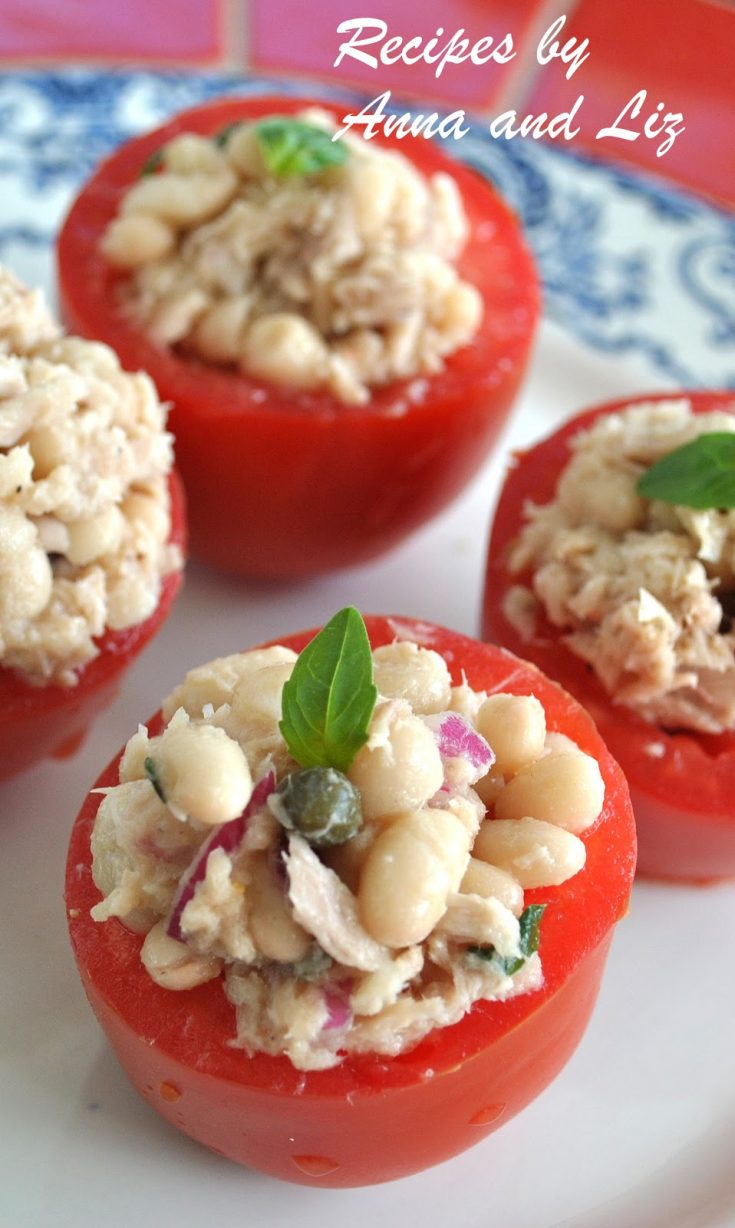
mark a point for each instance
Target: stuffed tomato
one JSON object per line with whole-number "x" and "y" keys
{"x": 91, "y": 528}
{"x": 50, "y": 719}
{"x": 620, "y": 586}
{"x": 340, "y": 344}
{"x": 383, "y": 936}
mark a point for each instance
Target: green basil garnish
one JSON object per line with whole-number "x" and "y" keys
{"x": 150, "y": 770}
{"x": 529, "y": 923}
{"x": 290, "y": 147}
{"x": 329, "y": 699}
{"x": 700, "y": 474}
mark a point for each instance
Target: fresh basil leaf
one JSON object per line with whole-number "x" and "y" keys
{"x": 329, "y": 699}
{"x": 153, "y": 163}
{"x": 291, "y": 147}
{"x": 529, "y": 923}
{"x": 700, "y": 474}
{"x": 150, "y": 770}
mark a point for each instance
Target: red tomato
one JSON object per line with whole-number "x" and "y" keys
{"x": 37, "y": 722}
{"x": 284, "y": 484}
{"x": 682, "y": 783}
{"x": 371, "y": 1118}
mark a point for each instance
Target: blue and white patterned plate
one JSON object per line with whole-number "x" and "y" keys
{"x": 629, "y": 265}
{"x": 637, "y": 1132}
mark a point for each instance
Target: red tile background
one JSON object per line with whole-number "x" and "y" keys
{"x": 124, "y": 31}
{"x": 682, "y": 52}
{"x": 281, "y": 42}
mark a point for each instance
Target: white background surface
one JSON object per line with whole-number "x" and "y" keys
{"x": 637, "y": 1132}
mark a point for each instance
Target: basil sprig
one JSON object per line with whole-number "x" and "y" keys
{"x": 700, "y": 474}
{"x": 529, "y": 923}
{"x": 290, "y": 147}
{"x": 329, "y": 699}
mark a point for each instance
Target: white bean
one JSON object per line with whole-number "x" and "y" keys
{"x": 255, "y": 708}
{"x": 459, "y": 314}
{"x": 180, "y": 200}
{"x": 53, "y": 535}
{"x": 148, "y": 513}
{"x": 537, "y": 854}
{"x": 174, "y": 965}
{"x": 131, "y": 598}
{"x": 203, "y": 773}
{"x": 50, "y": 446}
{"x": 215, "y": 682}
{"x": 556, "y": 743}
{"x": 176, "y": 314}
{"x": 406, "y": 671}
{"x": 591, "y": 494}
{"x": 32, "y": 578}
{"x": 566, "y": 789}
{"x": 218, "y": 333}
{"x": 285, "y": 349}
{"x": 414, "y": 864}
{"x": 371, "y": 185}
{"x": 244, "y": 153}
{"x": 189, "y": 153}
{"x": 276, "y": 933}
{"x": 401, "y": 773}
{"x": 90, "y": 539}
{"x": 136, "y": 238}
{"x": 515, "y": 727}
{"x": 481, "y": 878}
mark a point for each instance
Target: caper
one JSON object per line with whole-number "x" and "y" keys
{"x": 320, "y": 803}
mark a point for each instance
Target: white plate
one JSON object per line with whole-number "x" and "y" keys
{"x": 638, "y": 1130}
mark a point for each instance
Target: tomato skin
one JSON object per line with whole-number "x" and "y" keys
{"x": 681, "y": 783}
{"x": 283, "y": 484}
{"x": 365, "y": 1120}
{"x": 50, "y": 721}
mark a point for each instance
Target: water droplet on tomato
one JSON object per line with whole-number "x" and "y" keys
{"x": 167, "y": 1091}
{"x": 489, "y": 1113}
{"x": 315, "y": 1166}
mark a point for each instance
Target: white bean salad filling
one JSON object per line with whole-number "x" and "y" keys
{"x": 643, "y": 589}
{"x": 84, "y": 500}
{"x": 304, "y": 262}
{"x": 347, "y": 912}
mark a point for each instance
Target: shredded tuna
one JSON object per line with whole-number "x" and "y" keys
{"x": 640, "y": 588}
{"x": 84, "y": 500}
{"x": 345, "y": 279}
{"x": 472, "y": 918}
{"x": 328, "y": 909}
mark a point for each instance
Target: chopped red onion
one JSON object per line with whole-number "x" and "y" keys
{"x": 339, "y": 1012}
{"x": 456, "y": 738}
{"x": 229, "y": 837}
